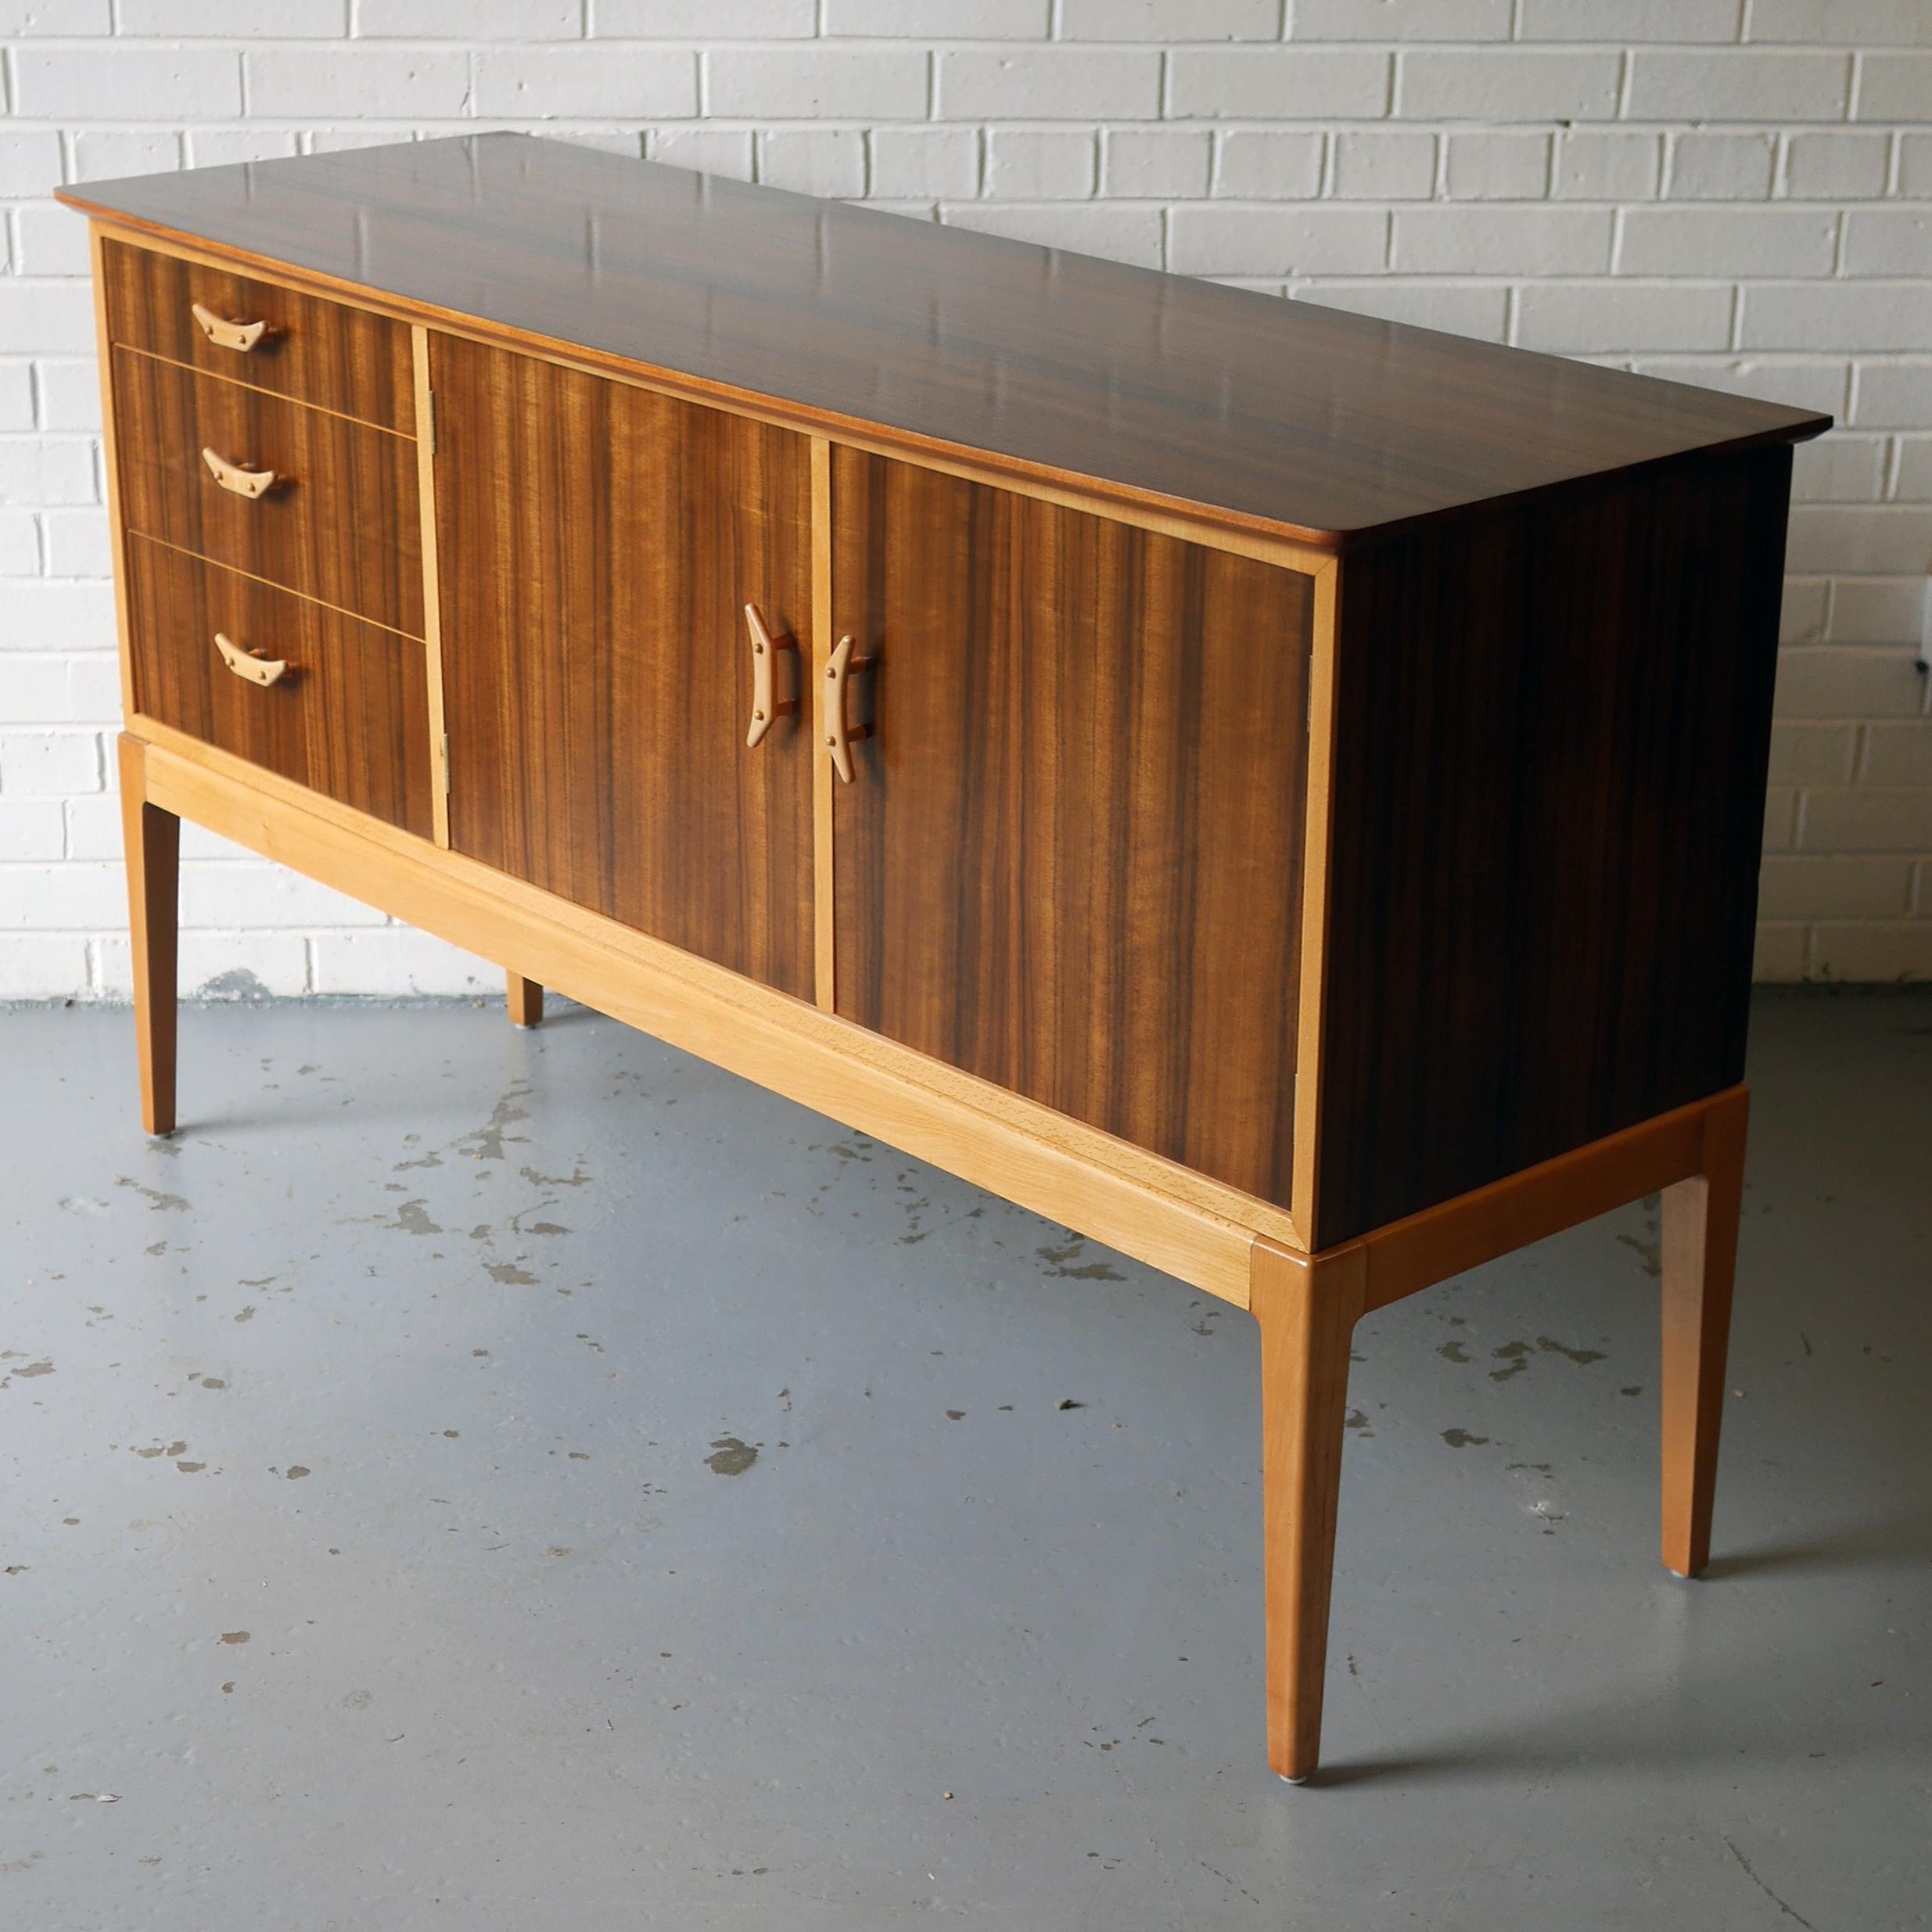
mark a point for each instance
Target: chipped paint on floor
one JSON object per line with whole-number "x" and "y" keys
{"x": 362, "y": 1561}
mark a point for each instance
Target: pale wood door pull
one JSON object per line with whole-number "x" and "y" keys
{"x": 840, "y": 737}
{"x": 249, "y": 664}
{"x": 243, "y": 482}
{"x": 765, "y": 648}
{"x": 227, "y": 334}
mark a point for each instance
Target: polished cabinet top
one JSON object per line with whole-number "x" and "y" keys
{"x": 1285, "y": 415}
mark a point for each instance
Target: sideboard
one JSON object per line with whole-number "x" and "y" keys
{"x": 1276, "y": 791}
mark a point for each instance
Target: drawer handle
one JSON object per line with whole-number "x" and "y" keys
{"x": 245, "y": 483}
{"x": 226, "y": 335}
{"x": 765, "y": 648}
{"x": 249, "y": 664}
{"x": 840, "y": 737}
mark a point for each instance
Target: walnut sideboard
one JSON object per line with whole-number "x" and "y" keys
{"x": 1278, "y": 791}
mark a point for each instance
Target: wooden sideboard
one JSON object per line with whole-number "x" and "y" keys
{"x": 1278, "y": 791}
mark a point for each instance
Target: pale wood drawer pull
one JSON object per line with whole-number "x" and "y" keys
{"x": 232, "y": 476}
{"x": 249, "y": 664}
{"x": 765, "y": 648}
{"x": 227, "y": 335}
{"x": 840, "y": 737}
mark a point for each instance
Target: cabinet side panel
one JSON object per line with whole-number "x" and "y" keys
{"x": 1070, "y": 861}
{"x": 1552, "y": 739}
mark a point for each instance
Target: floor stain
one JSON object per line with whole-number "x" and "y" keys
{"x": 509, "y": 1274}
{"x": 413, "y": 1218}
{"x": 234, "y": 1636}
{"x": 1461, "y": 1438}
{"x": 295, "y": 1471}
{"x": 1582, "y": 1357}
{"x": 1649, "y": 1250}
{"x": 1062, "y": 1267}
{"x": 1516, "y": 1354}
{"x": 161, "y": 1203}
{"x": 732, "y": 1457}
{"x": 486, "y": 1143}
{"x": 1453, "y": 1351}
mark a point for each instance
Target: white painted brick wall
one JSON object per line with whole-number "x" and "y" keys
{"x": 1736, "y": 192}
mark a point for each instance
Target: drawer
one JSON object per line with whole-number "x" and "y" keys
{"x": 347, "y": 716}
{"x": 341, "y": 522}
{"x": 316, "y": 351}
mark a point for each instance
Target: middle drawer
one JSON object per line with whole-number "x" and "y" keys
{"x": 339, "y": 522}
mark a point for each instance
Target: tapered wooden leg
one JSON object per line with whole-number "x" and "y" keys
{"x": 151, "y": 839}
{"x": 527, "y": 1001}
{"x": 1307, "y": 1310}
{"x": 1701, "y": 1218}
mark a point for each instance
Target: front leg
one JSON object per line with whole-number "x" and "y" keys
{"x": 151, "y": 839}
{"x": 1700, "y": 1219}
{"x": 1307, "y": 1307}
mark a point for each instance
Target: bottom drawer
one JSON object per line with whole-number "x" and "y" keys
{"x": 348, "y": 715}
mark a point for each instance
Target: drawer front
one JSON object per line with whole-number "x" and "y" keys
{"x": 341, "y": 522}
{"x": 347, "y": 716}
{"x": 316, "y": 351}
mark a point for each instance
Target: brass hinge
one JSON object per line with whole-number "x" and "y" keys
{"x": 446, "y": 762}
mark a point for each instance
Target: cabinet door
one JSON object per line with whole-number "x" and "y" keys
{"x": 1070, "y": 859}
{"x": 597, "y": 543}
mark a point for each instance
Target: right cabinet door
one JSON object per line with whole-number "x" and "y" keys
{"x": 1070, "y": 859}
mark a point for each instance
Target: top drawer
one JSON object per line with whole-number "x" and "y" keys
{"x": 323, "y": 353}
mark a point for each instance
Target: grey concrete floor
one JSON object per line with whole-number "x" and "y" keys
{"x": 504, "y": 1480}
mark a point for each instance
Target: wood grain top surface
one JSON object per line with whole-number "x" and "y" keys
{"x": 1285, "y": 415}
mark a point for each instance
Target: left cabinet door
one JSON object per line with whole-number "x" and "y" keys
{"x": 597, "y": 545}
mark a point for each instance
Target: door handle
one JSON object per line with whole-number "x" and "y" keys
{"x": 227, "y": 335}
{"x": 765, "y": 648}
{"x": 244, "y": 483}
{"x": 249, "y": 664}
{"x": 840, "y": 737}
